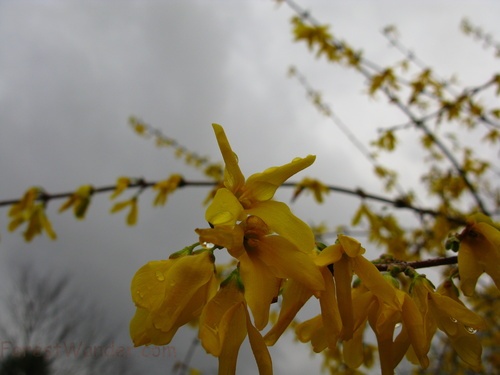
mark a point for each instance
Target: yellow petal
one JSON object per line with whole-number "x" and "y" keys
{"x": 281, "y": 220}
{"x": 468, "y": 347}
{"x": 46, "y": 224}
{"x": 402, "y": 346}
{"x": 224, "y": 210}
{"x": 351, "y": 246}
{"x": 259, "y": 349}
{"x": 343, "y": 279}
{"x": 233, "y": 178}
{"x": 374, "y": 281}
{"x": 383, "y": 319}
{"x": 469, "y": 268}
{"x": 353, "y": 349}
{"x": 118, "y": 206}
{"x": 143, "y": 332}
{"x": 457, "y": 311}
{"x": 133, "y": 214}
{"x": 286, "y": 261}
{"x": 148, "y": 288}
{"x": 295, "y": 295}
{"x": 329, "y": 255}
{"x": 212, "y": 332}
{"x": 362, "y": 298}
{"x": 68, "y": 203}
{"x": 261, "y": 288}
{"x": 186, "y": 275}
{"x": 329, "y": 309}
{"x": 262, "y": 186}
{"x": 420, "y": 293}
{"x": 312, "y": 330}
{"x": 122, "y": 184}
{"x": 235, "y": 321}
{"x": 488, "y": 250}
{"x": 413, "y": 321}
{"x": 231, "y": 239}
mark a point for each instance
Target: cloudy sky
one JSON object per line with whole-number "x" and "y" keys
{"x": 72, "y": 72}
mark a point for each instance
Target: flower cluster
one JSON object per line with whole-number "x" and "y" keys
{"x": 277, "y": 258}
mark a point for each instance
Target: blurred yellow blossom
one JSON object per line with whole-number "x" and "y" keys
{"x": 165, "y": 188}
{"x": 317, "y": 187}
{"x": 33, "y": 213}
{"x": 133, "y": 213}
{"x": 79, "y": 200}
{"x": 122, "y": 184}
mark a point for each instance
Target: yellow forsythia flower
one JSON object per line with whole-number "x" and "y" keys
{"x": 295, "y": 295}
{"x": 479, "y": 252}
{"x": 37, "y": 223}
{"x": 33, "y": 212}
{"x": 383, "y": 319}
{"x": 337, "y": 316}
{"x": 316, "y": 186}
{"x": 224, "y": 324}
{"x": 264, "y": 259}
{"x": 168, "y": 294}
{"x": 253, "y": 196}
{"x": 444, "y": 311}
{"x": 325, "y": 329}
{"x": 165, "y": 188}
{"x": 139, "y": 127}
{"x": 460, "y": 325}
{"x": 79, "y": 200}
{"x": 121, "y": 185}
{"x": 346, "y": 256}
{"x": 133, "y": 213}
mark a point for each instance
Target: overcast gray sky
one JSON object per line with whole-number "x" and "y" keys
{"x": 71, "y": 72}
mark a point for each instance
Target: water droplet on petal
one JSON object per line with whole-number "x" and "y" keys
{"x": 470, "y": 330}
{"x": 159, "y": 276}
{"x": 207, "y": 245}
{"x": 453, "y": 319}
{"x": 397, "y": 329}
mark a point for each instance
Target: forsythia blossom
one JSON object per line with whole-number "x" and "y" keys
{"x": 317, "y": 187}
{"x": 479, "y": 252}
{"x": 270, "y": 243}
{"x": 168, "y": 294}
{"x": 79, "y": 200}
{"x": 224, "y": 324}
{"x": 241, "y": 197}
{"x": 165, "y": 188}
{"x": 122, "y": 183}
{"x": 33, "y": 213}
{"x": 134, "y": 210}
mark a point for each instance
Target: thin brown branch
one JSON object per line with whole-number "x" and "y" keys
{"x": 418, "y": 263}
{"x": 143, "y": 184}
